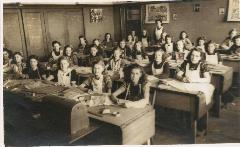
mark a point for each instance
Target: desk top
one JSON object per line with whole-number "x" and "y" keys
{"x": 127, "y": 115}
{"x": 230, "y": 57}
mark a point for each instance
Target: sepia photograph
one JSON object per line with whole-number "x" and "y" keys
{"x": 117, "y": 72}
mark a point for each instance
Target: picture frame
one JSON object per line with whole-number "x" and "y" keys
{"x": 221, "y": 11}
{"x": 96, "y": 15}
{"x": 233, "y": 10}
{"x": 157, "y": 11}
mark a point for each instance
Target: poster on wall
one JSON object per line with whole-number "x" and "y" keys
{"x": 157, "y": 11}
{"x": 96, "y": 15}
{"x": 233, "y": 10}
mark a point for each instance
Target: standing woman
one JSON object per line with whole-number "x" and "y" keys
{"x": 193, "y": 70}
{"x": 186, "y": 41}
{"x": 136, "y": 88}
{"x": 69, "y": 53}
{"x": 158, "y": 30}
{"x": 18, "y": 65}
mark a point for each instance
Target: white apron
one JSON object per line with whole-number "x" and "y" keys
{"x": 192, "y": 74}
{"x": 64, "y": 78}
{"x": 169, "y": 48}
{"x": 97, "y": 85}
{"x": 212, "y": 59}
{"x": 157, "y": 71}
{"x": 158, "y": 33}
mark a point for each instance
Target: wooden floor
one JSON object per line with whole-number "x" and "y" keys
{"x": 225, "y": 129}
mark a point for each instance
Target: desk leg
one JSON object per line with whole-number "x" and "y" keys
{"x": 149, "y": 142}
{"x": 194, "y": 130}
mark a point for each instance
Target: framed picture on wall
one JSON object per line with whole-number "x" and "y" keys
{"x": 233, "y": 10}
{"x": 96, "y": 15}
{"x": 157, "y": 11}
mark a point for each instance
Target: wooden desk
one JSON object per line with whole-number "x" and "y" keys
{"x": 232, "y": 61}
{"x": 136, "y": 125}
{"x": 193, "y": 103}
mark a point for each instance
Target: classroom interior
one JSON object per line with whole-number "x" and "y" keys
{"x": 38, "y": 113}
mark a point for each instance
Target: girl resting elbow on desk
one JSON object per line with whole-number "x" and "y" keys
{"x": 138, "y": 53}
{"x": 211, "y": 56}
{"x": 235, "y": 48}
{"x": 116, "y": 64}
{"x": 136, "y": 87}
{"x": 33, "y": 70}
{"x": 159, "y": 67}
{"x": 193, "y": 70}
{"x": 65, "y": 76}
{"x": 98, "y": 82}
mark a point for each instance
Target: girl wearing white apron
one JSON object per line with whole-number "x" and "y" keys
{"x": 65, "y": 75}
{"x": 211, "y": 56}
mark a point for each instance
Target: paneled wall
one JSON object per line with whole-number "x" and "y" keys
{"x": 32, "y": 29}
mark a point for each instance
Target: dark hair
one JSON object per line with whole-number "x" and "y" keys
{"x": 158, "y": 20}
{"x": 211, "y": 42}
{"x": 8, "y": 51}
{"x": 180, "y": 36}
{"x": 65, "y": 48}
{"x": 81, "y": 36}
{"x": 105, "y": 36}
{"x": 190, "y": 53}
{"x": 127, "y": 72}
{"x": 201, "y": 38}
{"x": 130, "y": 35}
{"x": 16, "y": 53}
{"x": 101, "y": 62}
{"x": 95, "y": 40}
{"x": 54, "y": 42}
{"x": 168, "y": 36}
{"x": 32, "y": 57}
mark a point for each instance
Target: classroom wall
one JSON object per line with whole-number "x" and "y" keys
{"x": 98, "y": 30}
{"x": 207, "y": 22}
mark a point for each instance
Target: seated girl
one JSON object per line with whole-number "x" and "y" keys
{"x": 56, "y": 53}
{"x": 228, "y": 42}
{"x": 83, "y": 47}
{"x": 65, "y": 76}
{"x": 126, "y": 52}
{"x": 108, "y": 41}
{"x": 7, "y": 59}
{"x": 145, "y": 39}
{"x": 116, "y": 64}
{"x": 211, "y": 56}
{"x": 201, "y": 43}
{"x": 135, "y": 37}
{"x": 18, "y": 65}
{"x": 235, "y": 48}
{"x": 98, "y": 82}
{"x": 159, "y": 67}
{"x": 69, "y": 53}
{"x": 168, "y": 47}
{"x": 162, "y": 40}
{"x": 136, "y": 88}
{"x": 180, "y": 52}
{"x": 193, "y": 70}
{"x": 138, "y": 53}
{"x": 99, "y": 46}
{"x": 34, "y": 71}
{"x": 186, "y": 41}
{"x": 130, "y": 42}
{"x": 94, "y": 56}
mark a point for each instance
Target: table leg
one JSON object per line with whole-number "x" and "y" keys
{"x": 194, "y": 130}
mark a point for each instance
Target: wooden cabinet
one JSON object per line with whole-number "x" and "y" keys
{"x": 35, "y": 32}
{"x": 13, "y": 31}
